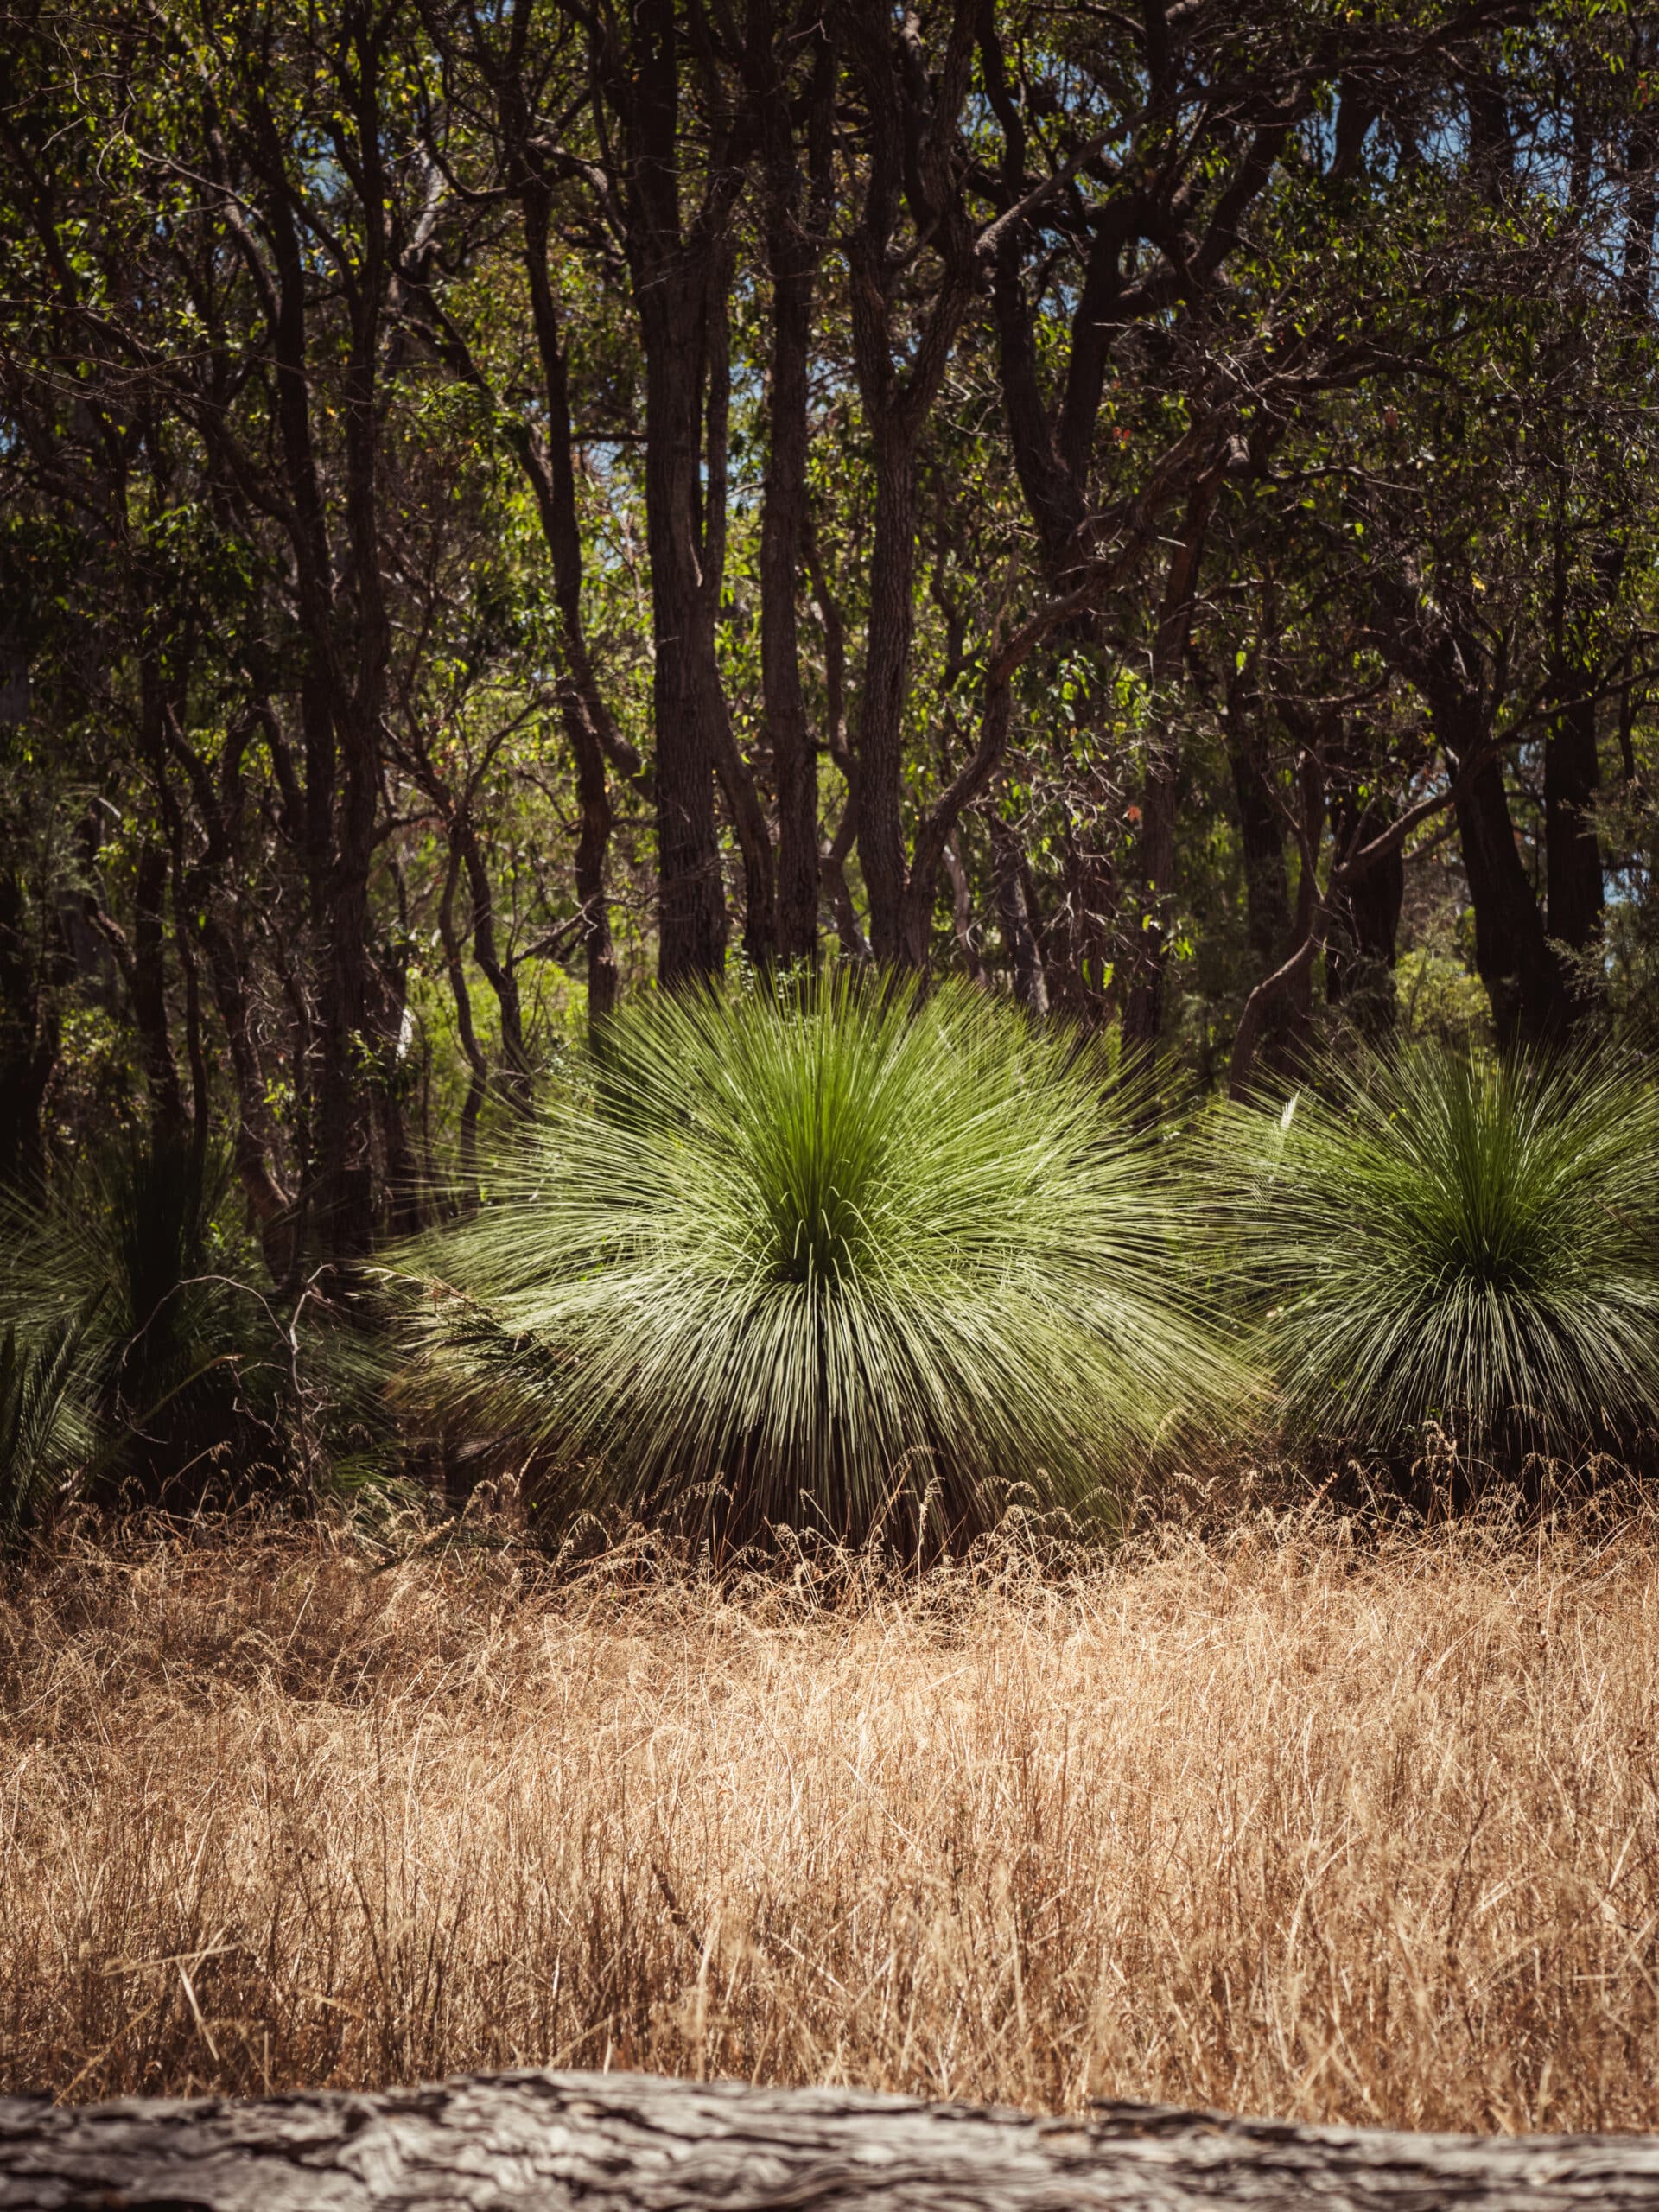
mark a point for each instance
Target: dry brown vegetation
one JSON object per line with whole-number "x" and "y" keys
{"x": 1280, "y": 1824}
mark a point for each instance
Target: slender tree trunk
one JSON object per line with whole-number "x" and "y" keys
{"x": 793, "y": 259}
{"x": 1523, "y": 978}
{"x": 30, "y": 1029}
{"x": 1285, "y": 1013}
{"x": 497, "y": 972}
{"x": 1261, "y": 840}
{"x": 1015, "y": 918}
{"x": 342, "y": 692}
{"x": 148, "y": 986}
{"x": 692, "y": 903}
{"x": 671, "y": 292}
{"x": 1361, "y": 944}
{"x": 888, "y": 637}
{"x": 1143, "y": 1015}
{"x": 477, "y": 1067}
{"x": 345, "y": 1202}
{"x": 913, "y": 115}
{"x": 1574, "y": 892}
{"x": 589, "y": 725}
{"x": 1513, "y": 957}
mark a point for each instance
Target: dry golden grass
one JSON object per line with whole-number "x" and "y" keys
{"x": 1277, "y": 1825}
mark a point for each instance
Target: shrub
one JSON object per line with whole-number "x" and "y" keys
{"x": 123, "y": 1291}
{"x": 806, "y": 1256}
{"x": 45, "y": 1424}
{"x": 1468, "y": 1242}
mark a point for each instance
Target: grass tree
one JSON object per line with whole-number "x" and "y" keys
{"x": 1467, "y": 1242}
{"x": 836, "y": 1259}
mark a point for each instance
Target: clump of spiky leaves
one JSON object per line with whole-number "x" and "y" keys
{"x": 46, "y": 1422}
{"x": 124, "y": 1286}
{"x": 1466, "y": 1242}
{"x": 813, "y": 1254}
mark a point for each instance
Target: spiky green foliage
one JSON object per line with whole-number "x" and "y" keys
{"x": 177, "y": 1364}
{"x": 1468, "y": 1242}
{"x": 45, "y": 1418}
{"x": 822, "y": 1252}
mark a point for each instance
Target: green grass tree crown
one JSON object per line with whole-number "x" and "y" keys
{"x": 819, "y": 1252}
{"x": 1464, "y": 1241}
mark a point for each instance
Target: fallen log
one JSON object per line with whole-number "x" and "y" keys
{"x": 634, "y": 2143}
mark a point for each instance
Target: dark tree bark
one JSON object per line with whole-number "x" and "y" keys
{"x": 549, "y": 461}
{"x": 339, "y": 590}
{"x": 1149, "y": 958}
{"x": 1513, "y": 957}
{"x": 209, "y": 889}
{"x": 1261, "y": 826}
{"x": 1525, "y": 984}
{"x": 587, "y": 721}
{"x": 1318, "y": 909}
{"x": 1361, "y": 943}
{"x": 680, "y": 271}
{"x": 478, "y": 1065}
{"x": 1016, "y": 920}
{"x": 31, "y": 1027}
{"x": 1360, "y": 956}
{"x": 913, "y": 116}
{"x": 1267, "y": 919}
{"x": 148, "y": 987}
{"x": 796, "y": 215}
{"x": 544, "y": 444}
{"x": 628, "y": 2143}
{"x": 1574, "y": 892}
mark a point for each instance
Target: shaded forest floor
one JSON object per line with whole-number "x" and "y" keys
{"x": 1277, "y": 1822}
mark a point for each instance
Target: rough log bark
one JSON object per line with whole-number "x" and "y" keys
{"x": 631, "y": 2143}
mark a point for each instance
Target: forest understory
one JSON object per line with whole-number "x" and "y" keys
{"x": 1308, "y": 1815}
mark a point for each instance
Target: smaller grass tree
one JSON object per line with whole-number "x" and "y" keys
{"x": 118, "y": 1295}
{"x": 830, "y": 1258}
{"x": 1467, "y": 1242}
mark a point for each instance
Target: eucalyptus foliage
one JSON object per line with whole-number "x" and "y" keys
{"x": 833, "y": 1259}
{"x": 1471, "y": 1241}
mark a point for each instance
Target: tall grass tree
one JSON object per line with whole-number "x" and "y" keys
{"x": 833, "y": 1258}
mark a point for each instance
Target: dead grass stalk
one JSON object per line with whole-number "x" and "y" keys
{"x": 1277, "y": 1825}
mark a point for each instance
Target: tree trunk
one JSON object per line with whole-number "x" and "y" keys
{"x": 1143, "y": 1014}
{"x": 1360, "y": 954}
{"x": 1523, "y": 978}
{"x": 149, "y": 986}
{"x": 630, "y": 2143}
{"x": 913, "y": 115}
{"x": 550, "y": 463}
{"x": 1574, "y": 893}
{"x": 672, "y": 292}
{"x": 792, "y": 256}
{"x": 29, "y": 1032}
{"x": 881, "y": 705}
{"x": 1286, "y": 1013}
{"x": 1513, "y": 957}
{"x": 1017, "y": 923}
{"x": 691, "y": 922}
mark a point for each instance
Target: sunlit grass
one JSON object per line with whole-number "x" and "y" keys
{"x": 1277, "y": 1825}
